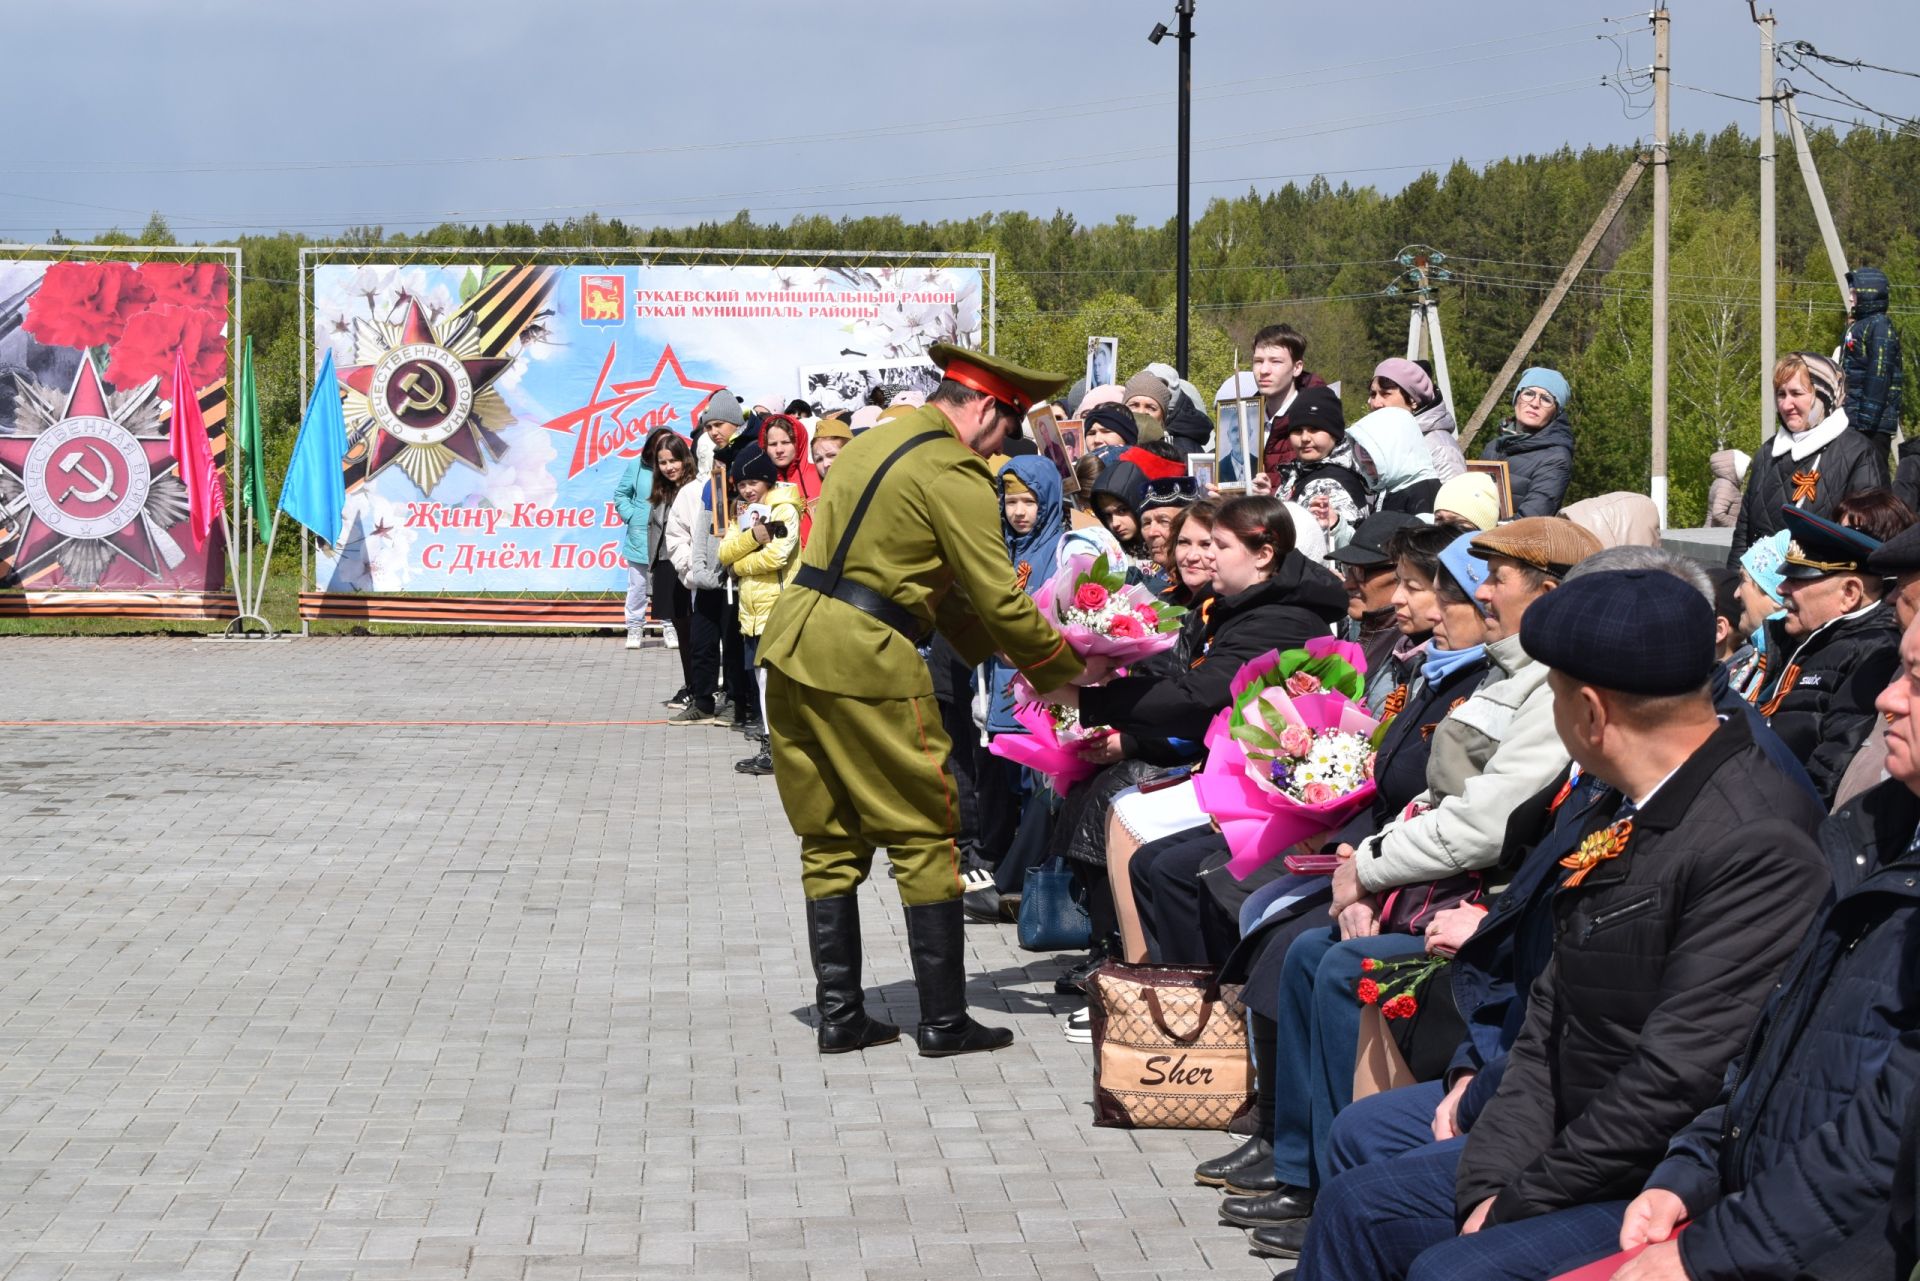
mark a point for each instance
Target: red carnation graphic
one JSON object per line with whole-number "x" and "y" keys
{"x": 146, "y": 349}
{"x": 85, "y": 304}
{"x": 187, "y": 284}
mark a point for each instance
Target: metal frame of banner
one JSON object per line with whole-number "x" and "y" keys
{"x": 402, "y": 256}
{"x": 240, "y": 565}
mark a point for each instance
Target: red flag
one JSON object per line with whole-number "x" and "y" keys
{"x": 206, "y": 498}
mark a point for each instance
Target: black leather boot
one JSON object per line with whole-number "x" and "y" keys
{"x": 1254, "y": 1157}
{"x": 934, "y": 938}
{"x": 833, "y": 935}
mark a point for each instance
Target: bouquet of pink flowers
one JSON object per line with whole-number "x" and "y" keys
{"x": 1050, "y": 744}
{"x": 1100, "y": 613}
{"x": 1291, "y": 757}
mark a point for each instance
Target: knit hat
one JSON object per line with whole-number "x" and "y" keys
{"x": 1545, "y": 542}
{"x": 1765, "y": 563}
{"x": 722, "y": 407}
{"x": 1548, "y": 380}
{"x": 1116, "y": 418}
{"x": 1468, "y": 570}
{"x": 1318, "y": 409}
{"x": 1408, "y": 377}
{"x": 1153, "y": 388}
{"x": 1829, "y": 387}
{"x": 1179, "y": 387}
{"x": 1637, "y": 631}
{"x": 833, "y": 427}
{"x": 1104, "y": 394}
{"x": 752, "y": 463}
{"x": 1471, "y": 495}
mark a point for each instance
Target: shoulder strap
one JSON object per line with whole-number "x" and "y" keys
{"x": 837, "y": 566}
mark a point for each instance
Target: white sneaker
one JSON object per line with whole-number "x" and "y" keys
{"x": 672, "y": 637}
{"x": 976, "y": 878}
{"x": 1080, "y": 1026}
{"x": 633, "y": 640}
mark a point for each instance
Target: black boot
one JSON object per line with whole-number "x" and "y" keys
{"x": 934, "y": 938}
{"x": 833, "y": 935}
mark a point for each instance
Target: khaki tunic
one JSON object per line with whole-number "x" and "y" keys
{"x": 859, "y": 754}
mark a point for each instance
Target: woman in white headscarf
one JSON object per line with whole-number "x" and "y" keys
{"x": 1393, "y": 458}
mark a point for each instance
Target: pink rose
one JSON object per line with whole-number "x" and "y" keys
{"x": 1296, "y": 740}
{"x": 1303, "y": 683}
{"x": 1090, "y": 596}
{"x": 1317, "y": 794}
{"x": 1125, "y": 627}
{"x": 1148, "y": 615}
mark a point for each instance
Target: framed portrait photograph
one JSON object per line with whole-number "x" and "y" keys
{"x": 1073, "y": 434}
{"x": 1103, "y": 361}
{"x": 1496, "y": 470}
{"x": 1205, "y": 470}
{"x": 1045, "y": 430}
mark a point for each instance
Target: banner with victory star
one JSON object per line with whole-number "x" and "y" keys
{"x": 90, "y": 495}
{"x": 491, "y": 410}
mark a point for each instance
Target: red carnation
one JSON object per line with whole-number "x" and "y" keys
{"x": 1402, "y": 1006}
{"x": 1368, "y": 992}
{"x": 1368, "y": 965}
{"x": 187, "y": 284}
{"x": 85, "y": 304}
{"x": 147, "y": 348}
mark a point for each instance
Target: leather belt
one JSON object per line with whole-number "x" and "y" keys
{"x": 830, "y": 581}
{"x": 864, "y": 599}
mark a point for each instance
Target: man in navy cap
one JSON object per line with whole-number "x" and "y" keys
{"x": 1833, "y": 652}
{"x": 1680, "y": 904}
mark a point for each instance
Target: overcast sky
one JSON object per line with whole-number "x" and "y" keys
{"x": 228, "y": 116}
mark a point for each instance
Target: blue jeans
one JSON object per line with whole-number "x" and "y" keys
{"x": 1318, "y": 1032}
{"x": 1388, "y": 1124}
{"x": 1395, "y": 1218}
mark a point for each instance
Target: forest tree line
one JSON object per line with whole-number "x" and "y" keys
{"x": 1321, "y": 257}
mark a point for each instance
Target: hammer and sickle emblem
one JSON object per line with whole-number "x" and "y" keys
{"x": 420, "y": 397}
{"x": 102, "y": 484}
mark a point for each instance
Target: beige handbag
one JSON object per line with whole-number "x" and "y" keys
{"x": 1169, "y": 1048}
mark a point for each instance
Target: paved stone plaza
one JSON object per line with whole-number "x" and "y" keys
{"x": 435, "y": 1000}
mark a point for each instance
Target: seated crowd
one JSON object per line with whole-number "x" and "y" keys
{"x": 1654, "y": 822}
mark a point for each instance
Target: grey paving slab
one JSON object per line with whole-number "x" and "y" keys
{"x": 421, "y": 958}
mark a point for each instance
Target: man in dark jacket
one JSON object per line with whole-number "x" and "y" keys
{"x": 1833, "y": 652}
{"x": 1871, "y": 358}
{"x": 1536, "y": 443}
{"x": 1791, "y": 1167}
{"x": 1676, "y": 914}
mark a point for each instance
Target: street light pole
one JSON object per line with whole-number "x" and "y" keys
{"x": 1183, "y": 11}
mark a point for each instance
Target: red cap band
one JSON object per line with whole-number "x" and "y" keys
{"x": 985, "y": 380}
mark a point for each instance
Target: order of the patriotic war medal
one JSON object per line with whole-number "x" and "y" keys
{"x": 88, "y": 481}
{"x": 420, "y": 394}
{"x": 87, "y": 477}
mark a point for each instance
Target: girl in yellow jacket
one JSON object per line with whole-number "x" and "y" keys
{"x": 763, "y": 551}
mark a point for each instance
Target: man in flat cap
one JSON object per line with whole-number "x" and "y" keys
{"x": 1676, "y": 912}
{"x": 1833, "y": 652}
{"x": 906, "y": 541}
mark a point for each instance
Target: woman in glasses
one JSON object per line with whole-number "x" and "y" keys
{"x": 1536, "y": 443}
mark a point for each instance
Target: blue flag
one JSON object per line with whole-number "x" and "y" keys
{"x": 315, "y": 490}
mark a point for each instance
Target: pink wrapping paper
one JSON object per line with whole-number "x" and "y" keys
{"x": 1259, "y": 821}
{"x": 1041, "y": 749}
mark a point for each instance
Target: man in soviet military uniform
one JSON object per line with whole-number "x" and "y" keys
{"x": 905, "y": 540}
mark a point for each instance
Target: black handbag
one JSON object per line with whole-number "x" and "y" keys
{"x": 1053, "y": 910}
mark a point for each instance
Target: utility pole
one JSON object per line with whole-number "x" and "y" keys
{"x": 1662, "y": 219}
{"x": 1817, "y": 194}
{"x": 1183, "y": 14}
{"x": 1538, "y": 325}
{"x": 1769, "y": 303}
